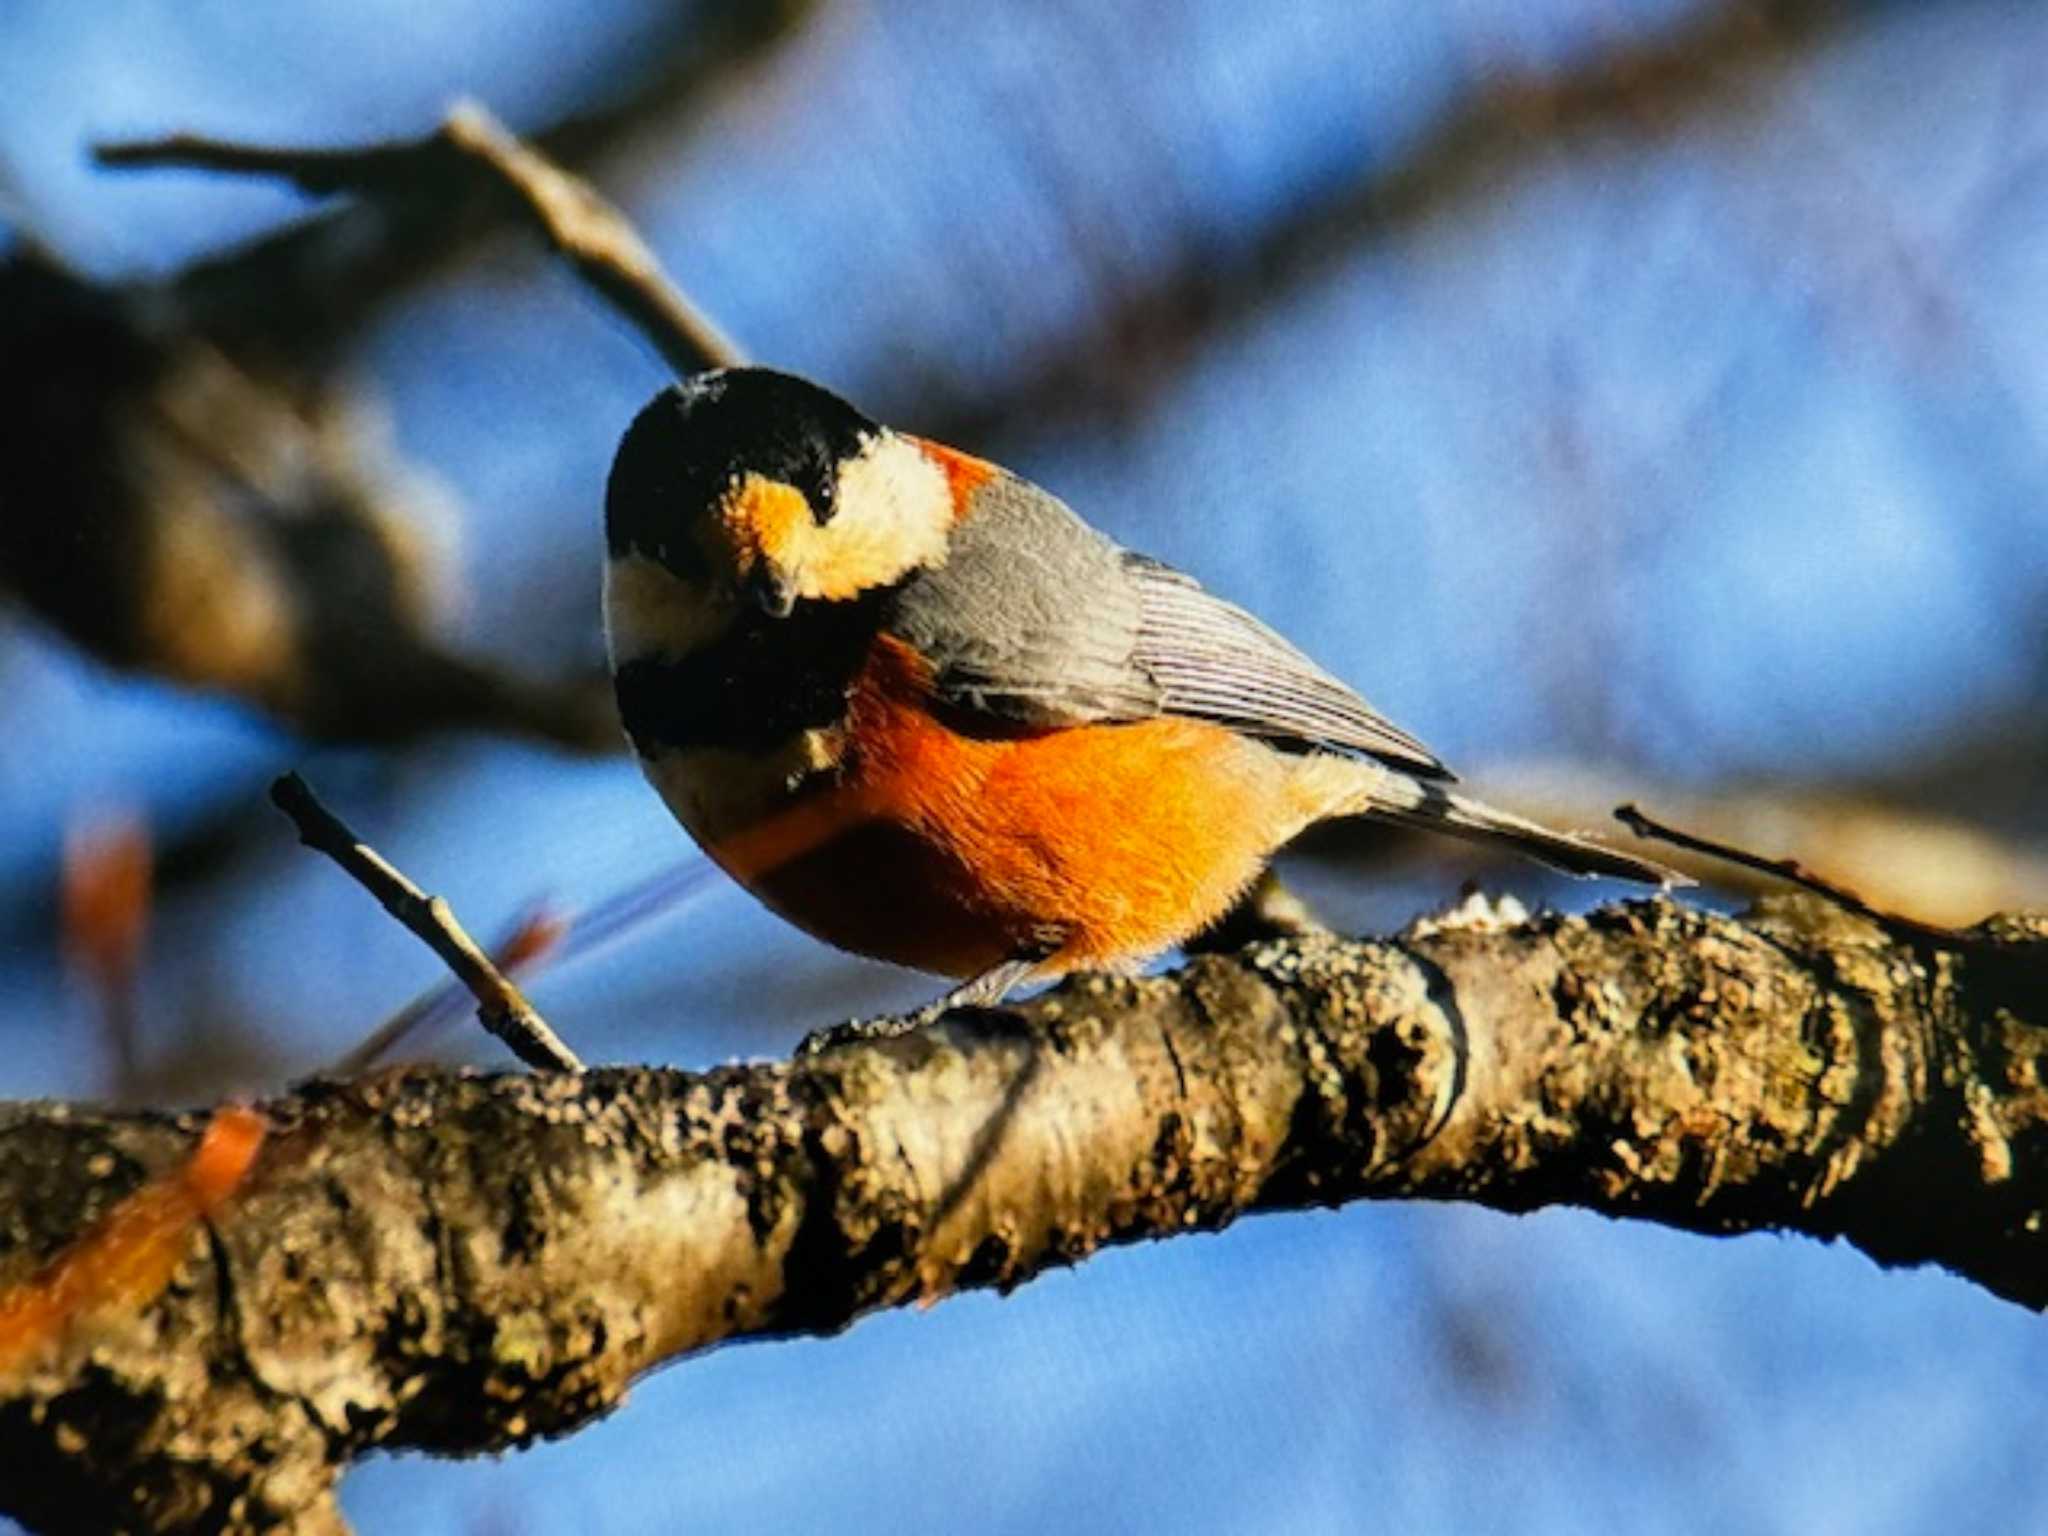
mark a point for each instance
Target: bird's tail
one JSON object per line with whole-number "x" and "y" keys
{"x": 1435, "y": 808}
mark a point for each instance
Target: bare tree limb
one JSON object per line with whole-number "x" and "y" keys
{"x": 543, "y": 937}
{"x": 1931, "y": 937}
{"x": 604, "y": 250}
{"x": 297, "y": 295}
{"x": 456, "y": 1263}
{"x": 296, "y": 588}
{"x": 222, "y": 532}
{"x": 1703, "y": 63}
{"x": 170, "y": 512}
{"x": 524, "y": 944}
{"x": 501, "y": 1006}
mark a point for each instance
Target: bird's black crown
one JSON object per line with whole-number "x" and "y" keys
{"x": 694, "y": 439}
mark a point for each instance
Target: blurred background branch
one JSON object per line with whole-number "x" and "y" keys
{"x": 175, "y": 514}
{"x": 1900, "y": 851}
{"x": 228, "y": 514}
{"x": 299, "y": 295}
{"x": 1512, "y": 121}
{"x": 472, "y": 148}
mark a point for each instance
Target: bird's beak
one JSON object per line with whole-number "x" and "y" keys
{"x": 775, "y": 592}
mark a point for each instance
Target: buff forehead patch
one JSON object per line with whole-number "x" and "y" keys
{"x": 765, "y": 519}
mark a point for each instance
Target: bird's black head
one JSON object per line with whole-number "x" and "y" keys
{"x": 697, "y": 441}
{"x": 748, "y": 482}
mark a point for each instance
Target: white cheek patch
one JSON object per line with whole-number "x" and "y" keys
{"x": 650, "y": 611}
{"x": 894, "y": 515}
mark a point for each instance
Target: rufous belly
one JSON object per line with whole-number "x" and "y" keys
{"x": 948, "y": 852}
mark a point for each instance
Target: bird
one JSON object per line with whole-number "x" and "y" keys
{"x": 920, "y": 708}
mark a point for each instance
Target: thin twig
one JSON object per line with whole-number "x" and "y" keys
{"x": 527, "y": 942}
{"x": 1935, "y": 935}
{"x": 585, "y": 229}
{"x": 576, "y": 938}
{"x": 504, "y": 1010}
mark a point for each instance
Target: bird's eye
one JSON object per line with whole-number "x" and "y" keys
{"x": 823, "y": 491}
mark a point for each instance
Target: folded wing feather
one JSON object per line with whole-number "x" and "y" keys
{"x": 1036, "y": 619}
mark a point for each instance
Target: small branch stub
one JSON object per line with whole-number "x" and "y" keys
{"x": 597, "y": 241}
{"x": 501, "y": 1006}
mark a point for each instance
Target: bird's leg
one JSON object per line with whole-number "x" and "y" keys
{"x": 984, "y": 991}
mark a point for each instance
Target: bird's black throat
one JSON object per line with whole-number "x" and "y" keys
{"x": 757, "y": 685}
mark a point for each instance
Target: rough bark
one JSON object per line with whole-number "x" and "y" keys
{"x": 457, "y": 1262}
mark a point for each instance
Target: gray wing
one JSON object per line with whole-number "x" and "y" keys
{"x": 1214, "y": 661}
{"x": 1036, "y": 619}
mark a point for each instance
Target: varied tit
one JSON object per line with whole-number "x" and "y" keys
{"x": 923, "y": 711}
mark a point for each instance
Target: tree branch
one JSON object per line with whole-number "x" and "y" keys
{"x": 300, "y": 293}
{"x": 217, "y": 529}
{"x": 501, "y": 1006}
{"x": 1895, "y": 847}
{"x": 1928, "y": 937}
{"x": 455, "y": 1263}
{"x": 228, "y": 534}
{"x": 1704, "y": 62}
{"x": 603, "y": 249}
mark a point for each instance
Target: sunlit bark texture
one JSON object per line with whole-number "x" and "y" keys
{"x": 455, "y": 1262}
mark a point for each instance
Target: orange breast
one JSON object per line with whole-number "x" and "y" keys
{"x": 1095, "y": 844}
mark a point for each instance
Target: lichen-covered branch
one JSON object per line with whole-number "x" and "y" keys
{"x": 454, "y": 1262}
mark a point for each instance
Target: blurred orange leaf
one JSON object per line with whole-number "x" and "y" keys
{"x": 108, "y": 875}
{"x": 129, "y": 1256}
